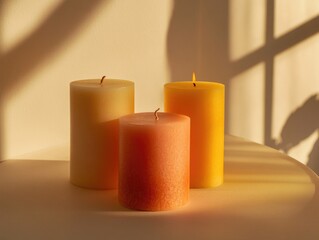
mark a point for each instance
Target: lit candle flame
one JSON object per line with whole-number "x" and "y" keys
{"x": 194, "y": 79}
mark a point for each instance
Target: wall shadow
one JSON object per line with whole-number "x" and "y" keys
{"x": 57, "y": 29}
{"x": 313, "y": 157}
{"x": 198, "y": 40}
{"x": 300, "y": 124}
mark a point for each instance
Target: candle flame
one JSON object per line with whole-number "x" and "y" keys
{"x": 194, "y": 79}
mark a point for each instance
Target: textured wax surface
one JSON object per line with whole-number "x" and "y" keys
{"x": 154, "y": 161}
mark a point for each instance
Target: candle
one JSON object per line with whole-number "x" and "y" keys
{"x": 203, "y": 102}
{"x": 154, "y": 161}
{"x": 96, "y": 106}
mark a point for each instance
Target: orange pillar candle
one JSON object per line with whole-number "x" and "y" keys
{"x": 154, "y": 161}
{"x": 203, "y": 102}
{"x": 96, "y": 106}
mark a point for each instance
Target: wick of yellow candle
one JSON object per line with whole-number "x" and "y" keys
{"x": 194, "y": 79}
{"x": 102, "y": 79}
{"x": 155, "y": 113}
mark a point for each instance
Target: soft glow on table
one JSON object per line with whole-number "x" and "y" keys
{"x": 203, "y": 102}
{"x": 96, "y": 106}
{"x": 154, "y": 161}
{"x": 266, "y": 195}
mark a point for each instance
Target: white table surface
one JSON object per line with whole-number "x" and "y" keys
{"x": 266, "y": 195}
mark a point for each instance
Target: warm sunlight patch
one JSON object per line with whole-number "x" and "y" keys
{"x": 292, "y": 14}
{"x": 246, "y": 26}
{"x": 247, "y": 104}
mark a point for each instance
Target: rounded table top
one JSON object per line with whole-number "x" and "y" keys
{"x": 266, "y": 195}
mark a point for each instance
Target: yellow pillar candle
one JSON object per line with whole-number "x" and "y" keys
{"x": 96, "y": 106}
{"x": 154, "y": 161}
{"x": 203, "y": 102}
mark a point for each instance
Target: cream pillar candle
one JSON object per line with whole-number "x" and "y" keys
{"x": 96, "y": 106}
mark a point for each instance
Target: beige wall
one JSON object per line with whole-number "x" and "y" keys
{"x": 265, "y": 52}
{"x": 51, "y": 43}
{"x": 273, "y": 95}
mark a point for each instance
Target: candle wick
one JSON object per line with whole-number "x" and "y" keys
{"x": 102, "y": 79}
{"x": 155, "y": 113}
{"x": 194, "y": 79}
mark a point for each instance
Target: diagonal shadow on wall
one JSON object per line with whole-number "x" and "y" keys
{"x": 58, "y": 28}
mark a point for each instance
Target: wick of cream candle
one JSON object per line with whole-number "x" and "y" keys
{"x": 102, "y": 79}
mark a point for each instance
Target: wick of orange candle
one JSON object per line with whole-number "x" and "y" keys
{"x": 102, "y": 79}
{"x": 155, "y": 113}
{"x": 194, "y": 79}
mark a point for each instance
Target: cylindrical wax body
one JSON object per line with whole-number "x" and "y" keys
{"x": 154, "y": 161}
{"x": 203, "y": 102}
{"x": 95, "y": 110}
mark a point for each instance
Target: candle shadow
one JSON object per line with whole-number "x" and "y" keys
{"x": 102, "y": 201}
{"x": 45, "y": 184}
{"x": 197, "y": 40}
{"x": 57, "y": 29}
